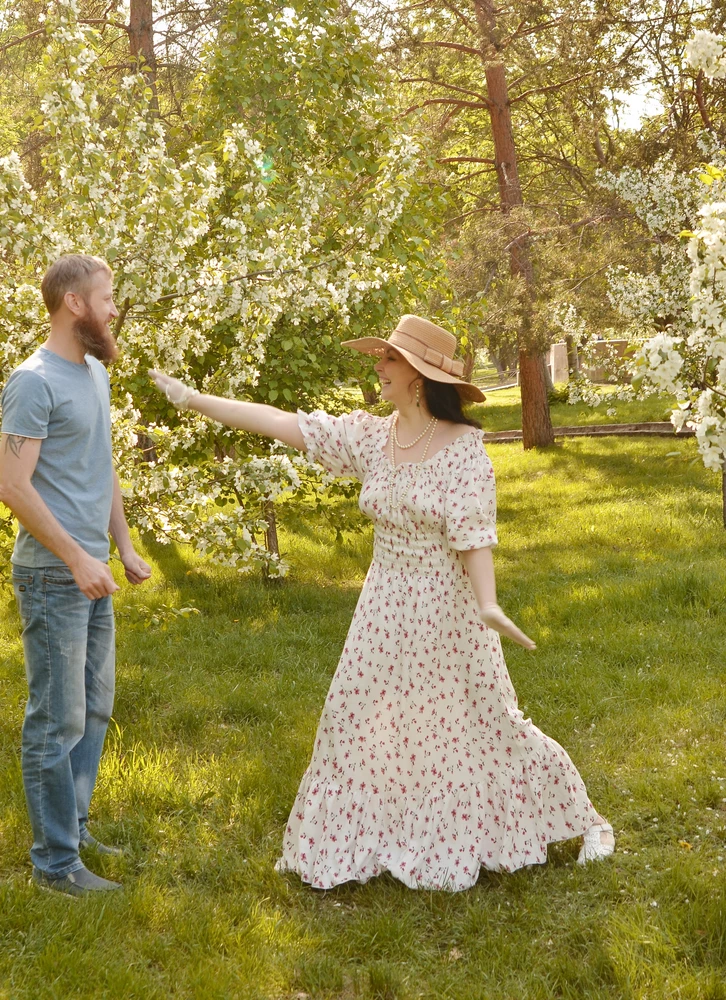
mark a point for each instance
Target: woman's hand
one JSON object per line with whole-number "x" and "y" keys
{"x": 175, "y": 390}
{"x": 257, "y": 418}
{"x": 494, "y": 618}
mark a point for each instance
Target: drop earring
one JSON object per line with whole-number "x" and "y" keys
{"x": 418, "y": 396}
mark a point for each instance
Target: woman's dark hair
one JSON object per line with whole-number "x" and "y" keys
{"x": 444, "y": 402}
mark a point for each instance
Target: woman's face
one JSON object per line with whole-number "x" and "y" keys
{"x": 397, "y": 377}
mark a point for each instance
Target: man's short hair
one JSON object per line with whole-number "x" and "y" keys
{"x": 71, "y": 273}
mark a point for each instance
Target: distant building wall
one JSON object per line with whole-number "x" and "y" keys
{"x": 607, "y": 348}
{"x": 559, "y": 367}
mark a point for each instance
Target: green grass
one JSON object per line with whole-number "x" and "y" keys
{"x": 502, "y": 411}
{"x": 611, "y": 557}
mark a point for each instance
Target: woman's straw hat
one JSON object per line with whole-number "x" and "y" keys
{"x": 429, "y": 348}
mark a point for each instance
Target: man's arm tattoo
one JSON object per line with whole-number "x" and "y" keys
{"x": 13, "y": 443}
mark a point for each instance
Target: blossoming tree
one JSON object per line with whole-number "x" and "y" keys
{"x": 217, "y": 278}
{"x": 681, "y": 301}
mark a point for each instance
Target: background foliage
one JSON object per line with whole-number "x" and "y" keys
{"x": 241, "y": 257}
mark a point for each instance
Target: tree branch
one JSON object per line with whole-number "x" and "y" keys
{"x": 474, "y": 211}
{"x": 457, "y": 13}
{"x": 267, "y": 272}
{"x": 44, "y": 31}
{"x": 457, "y": 46}
{"x": 701, "y": 102}
{"x": 450, "y": 102}
{"x": 440, "y": 83}
{"x": 533, "y": 29}
{"x": 103, "y": 20}
{"x": 466, "y": 159}
{"x": 25, "y": 38}
{"x": 554, "y": 86}
{"x": 167, "y": 15}
{"x": 121, "y": 317}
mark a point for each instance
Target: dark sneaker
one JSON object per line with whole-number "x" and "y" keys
{"x": 78, "y": 883}
{"x": 89, "y": 843}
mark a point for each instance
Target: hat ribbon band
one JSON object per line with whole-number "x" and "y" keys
{"x": 452, "y": 366}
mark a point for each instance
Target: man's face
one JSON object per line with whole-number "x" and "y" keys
{"x": 93, "y": 327}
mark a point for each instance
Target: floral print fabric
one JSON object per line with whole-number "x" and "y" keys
{"x": 423, "y": 766}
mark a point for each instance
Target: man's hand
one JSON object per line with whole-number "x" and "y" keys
{"x": 136, "y": 569}
{"x": 93, "y": 577}
{"x": 494, "y": 618}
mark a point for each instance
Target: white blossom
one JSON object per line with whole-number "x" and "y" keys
{"x": 190, "y": 260}
{"x": 707, "y": 52}
{"x": 679, "y": 303}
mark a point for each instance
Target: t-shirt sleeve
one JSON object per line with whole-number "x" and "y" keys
{"x": 26, "y": 405}
{"x": 471, "y": 501}
{"x": 340, "y": 444}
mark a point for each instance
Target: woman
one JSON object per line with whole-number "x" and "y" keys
{"x": 422, "y": 766}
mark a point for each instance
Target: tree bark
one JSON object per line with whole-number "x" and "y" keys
{"x": 141, "y": 40}
{"x": 271, "y": 543}
{"x": 536, "y": 423}
{"x": 537, "y": 431}
{"x": 370, "y": 395}
{"x": 573, "y": 361}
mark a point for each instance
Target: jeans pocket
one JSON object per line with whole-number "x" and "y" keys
{"x": 23, "y": 588}
{"x": 58, "y": 581}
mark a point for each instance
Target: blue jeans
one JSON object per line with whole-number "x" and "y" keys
{"x": 70, "y": 666}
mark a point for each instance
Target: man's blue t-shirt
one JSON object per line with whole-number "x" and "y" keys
{"x": 67, "y": 405}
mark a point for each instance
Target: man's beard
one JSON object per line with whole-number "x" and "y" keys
{"x": 95, "y": 338}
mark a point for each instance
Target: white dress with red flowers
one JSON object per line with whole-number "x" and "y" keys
{"x": 423, "y": 766}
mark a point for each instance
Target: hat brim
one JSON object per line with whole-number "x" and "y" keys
{"x": 376, "y": 345}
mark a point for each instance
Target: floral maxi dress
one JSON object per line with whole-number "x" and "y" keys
{"x": 423, "y": 766}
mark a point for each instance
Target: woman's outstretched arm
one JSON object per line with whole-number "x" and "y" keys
{"x": 257, "y": 418}
{"x": 480, "y": 567}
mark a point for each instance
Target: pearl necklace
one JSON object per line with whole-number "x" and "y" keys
{"x": 391, "y": 476}
{"x": 416, "y": 440}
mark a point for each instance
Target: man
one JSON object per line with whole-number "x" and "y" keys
{"x": 57, "y": 476}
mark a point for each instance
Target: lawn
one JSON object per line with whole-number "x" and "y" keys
{"x": 502, "y": 411}
{"x": 611, "y": 557}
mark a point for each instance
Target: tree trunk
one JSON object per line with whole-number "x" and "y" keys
{"x": 573, "y": 361}
{"x": 141, "y": 40}
{"x": 536, "y": 422}
{"x": 145, "y": 444}
{"x": 271, "y": 542}
{"x": 370, "y": 395}
{"x": 504, "y": 360}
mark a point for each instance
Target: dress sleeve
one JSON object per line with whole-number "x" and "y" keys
{"x": 340, "y": 444}
{"x": 26, "y": 405}
{"x": 471, "y": 501}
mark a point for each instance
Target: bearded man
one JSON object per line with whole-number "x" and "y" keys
{"x": 57, "y": 476}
